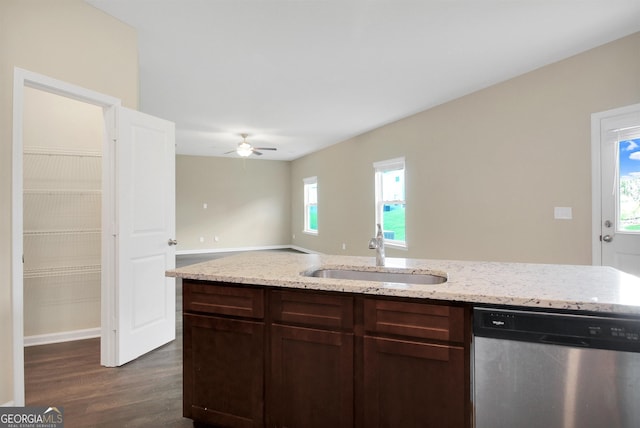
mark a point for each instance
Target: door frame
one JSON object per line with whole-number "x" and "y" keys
{"x": 21, "y": 79}
{"x": 596, "y": 176}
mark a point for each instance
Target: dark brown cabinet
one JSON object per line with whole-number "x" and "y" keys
{"x": 269, "y": 357}
{"x": 223, "y": 350}
{"x": 414, "y": 366}
{"x": 312, "y": 377}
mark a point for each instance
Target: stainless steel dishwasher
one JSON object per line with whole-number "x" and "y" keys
{"x": 551, "y": 370}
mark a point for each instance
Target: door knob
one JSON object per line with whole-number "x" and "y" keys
{"x": 173, "y": 242}
{"x": 607, "y": 238}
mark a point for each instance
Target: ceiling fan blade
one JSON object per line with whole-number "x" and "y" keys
{"x": 255, "y": 152}
{"x": 265, "y": 148}
{"x": 232, "y": 151}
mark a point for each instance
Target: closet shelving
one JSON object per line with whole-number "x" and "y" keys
{"x": 62, "y": 199}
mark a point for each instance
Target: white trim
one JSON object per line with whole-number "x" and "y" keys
{"x": 239, "y": 249}
{"x": 596, "y": 194}
{"x": 58, "y": 87}
{"x": 392, "y": 244}
{"x": 380, "y": 168}
{"x": 22, "y": 78}
{"x": 596, "y": 176}
{"x": 304, "y": 250}
{"x": 389, "y": 164}
{"x": 8, "y": 404}
{"x": 108, "y": 305}
{"x": 65, "y": 336}
{"x": 310, "y": 180}
{"x": 19, "y": 81}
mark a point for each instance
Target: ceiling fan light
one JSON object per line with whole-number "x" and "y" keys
{"x": 244, "y": 149}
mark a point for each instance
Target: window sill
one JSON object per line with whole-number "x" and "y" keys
{"x": 310, "y": 232}
{"x": 395, "y": 246}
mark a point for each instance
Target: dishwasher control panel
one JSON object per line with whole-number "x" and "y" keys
{"x": 558, "y": 328}
{"x": 499, "y": 320}
{"x": 622, "y": 333}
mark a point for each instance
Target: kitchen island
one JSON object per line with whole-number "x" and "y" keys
{"x": 584, "y": 288}
{"x": 266, "y": 345}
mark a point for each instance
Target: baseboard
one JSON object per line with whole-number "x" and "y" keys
{"x": 8, "y": 404}
{"x": 241, "y": 249}
{"x": 64, "y": 336}
{"x": 303, "y": 250}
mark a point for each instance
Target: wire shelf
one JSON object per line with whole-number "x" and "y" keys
{"x": 53, "y": 151}
{"x": 42, "y": 292}
{"x": 62, "y": 171}
{"x": 64, "y": 210}
{"x": 62, "y": 271}
{"x": 58, "y": 250}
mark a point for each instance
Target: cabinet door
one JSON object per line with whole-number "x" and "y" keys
{"x": 413, "y": 384}
{"x": 223, "y": 371}
{"x": 311, "y": 378}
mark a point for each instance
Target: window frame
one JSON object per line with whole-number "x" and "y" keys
{"x": 307, "y": 182}
{"x": 380, "y": 168}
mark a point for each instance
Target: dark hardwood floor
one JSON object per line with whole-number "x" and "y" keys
{"x": 146, "y": 392}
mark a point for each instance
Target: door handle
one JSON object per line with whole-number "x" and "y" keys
{"x": 607, "y": 238}
{"x": 172, "y": 242}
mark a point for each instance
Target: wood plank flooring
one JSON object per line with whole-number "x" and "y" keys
{"x": 146, "y": 392}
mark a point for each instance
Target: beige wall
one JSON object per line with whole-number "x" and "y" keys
{"x": 67, "y": 40}
{"x": 483, "y": 172}
{"x": 248, "y": 203}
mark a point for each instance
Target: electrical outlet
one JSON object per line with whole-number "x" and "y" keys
{"x": 204, "y": 206}
{"x": 562, "y": 213}
{"x": 202, "y": 239}
{"x": 216, "y": 238}
{"x": 344, "y": 246}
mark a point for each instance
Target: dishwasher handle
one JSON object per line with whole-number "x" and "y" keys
{"x": 565, "y": 341}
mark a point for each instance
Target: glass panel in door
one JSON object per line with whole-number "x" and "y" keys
{"x": 628, "y": 186}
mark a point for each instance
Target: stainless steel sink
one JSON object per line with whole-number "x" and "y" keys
{"x": 362, "y": 275}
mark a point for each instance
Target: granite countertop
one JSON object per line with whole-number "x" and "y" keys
{"x": 567, "y": 287}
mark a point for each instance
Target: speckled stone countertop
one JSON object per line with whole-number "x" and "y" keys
{"x": 568, "y": 287}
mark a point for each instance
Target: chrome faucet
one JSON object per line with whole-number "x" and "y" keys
{"x": 377, "y": 244}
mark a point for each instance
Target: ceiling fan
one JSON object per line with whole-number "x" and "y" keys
{"x": 245, "y": 149}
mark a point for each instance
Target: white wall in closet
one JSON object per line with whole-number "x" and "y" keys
{"x": 62, "y": 222}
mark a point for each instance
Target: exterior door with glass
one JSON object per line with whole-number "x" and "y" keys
{"x": 618, "y": 132}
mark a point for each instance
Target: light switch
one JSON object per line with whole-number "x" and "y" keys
{"x": 562, "y": 213}
{"x": 204, "y": 206}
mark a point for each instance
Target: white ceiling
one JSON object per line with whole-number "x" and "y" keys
{"x": 301, "y": 75}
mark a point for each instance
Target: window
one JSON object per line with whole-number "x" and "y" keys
{"x": 390, "y": 200}
{"x": 311, "y": 205}
{"x": 628, "y": 186}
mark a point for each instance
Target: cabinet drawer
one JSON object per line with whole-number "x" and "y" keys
{"x": 222, "y": 299}
{"x": 418, "y": 320}
{"x": 312, "y": 309}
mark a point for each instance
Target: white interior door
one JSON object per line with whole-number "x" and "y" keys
{"x": 620, "y": 189}
{"x": 145, "y": 230}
